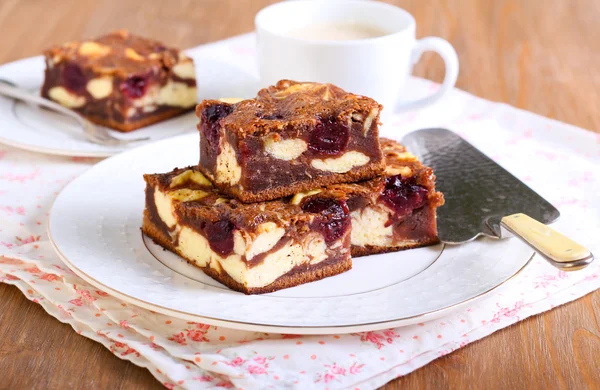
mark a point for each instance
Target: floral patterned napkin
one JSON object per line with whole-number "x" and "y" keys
{"x": 559, "y": 161}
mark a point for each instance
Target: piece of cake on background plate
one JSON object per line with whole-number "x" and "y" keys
{"x": 120, "y": 80}
{"x": 292, "y": 137}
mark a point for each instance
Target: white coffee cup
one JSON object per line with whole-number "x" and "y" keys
{"x": 377, "y": 67}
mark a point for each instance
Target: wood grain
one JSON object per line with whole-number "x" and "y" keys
{"x": 541, "y": 56}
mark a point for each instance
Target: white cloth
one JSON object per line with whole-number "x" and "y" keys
{"x": 559, "y": 161}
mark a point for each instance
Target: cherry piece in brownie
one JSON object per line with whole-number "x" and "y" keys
{"x": 291, "y": 138}
{"x": 120, "y": 80}
{"x": 252, "y": 248}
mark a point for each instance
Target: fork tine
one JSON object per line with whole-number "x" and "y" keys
{"x": 93, "y": 133}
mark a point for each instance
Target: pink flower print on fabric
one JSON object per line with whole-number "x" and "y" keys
{"x": 256, "y": 370}
{"x": 380, "y": 339}
{"x": 85, "y": 294}
{"x": 203, "y": 378}
{"x": 197, "y": 335}
{"x": 20, "y": 178}
{"x": 544, "y": 281}
{"x": 580, "y": 181}
{"x": 591, "y": 277}
{"x": 238, "y": 361}
{"x": 49, "y": 277}
{"x": 9, "y": 210}
{"x": 508, "y": 312}
{"x": 260, "y": 359}
{"x": 179, "y": 338}
{"x": 76, "y": 302}
{"x": 27, "y": 240}
{"x": 355, "y": 368}
{"x": 334, "y": 371}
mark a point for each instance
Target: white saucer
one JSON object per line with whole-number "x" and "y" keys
{"x": 95, "y": 227}
{"x": 39, "y": 130}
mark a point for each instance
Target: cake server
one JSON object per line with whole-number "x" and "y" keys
{"x": 483, "y": 199}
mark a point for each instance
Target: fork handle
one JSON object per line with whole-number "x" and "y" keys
{"x": 558, "y": 249}
{"x": 90, "y": 131}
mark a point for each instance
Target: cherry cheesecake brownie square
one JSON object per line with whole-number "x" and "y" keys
{"x": 395, "y": 211}
{"x": 252, "y": 248}
{"x": 291, "y": 138}
{"x": 120, "y": 80}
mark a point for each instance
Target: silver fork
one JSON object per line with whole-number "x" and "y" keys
{"x": 93, "y": 133}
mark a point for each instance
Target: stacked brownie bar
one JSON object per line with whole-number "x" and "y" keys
{"x": 293, "y": 137}
{"x": 289, "y": 186}
{"x": 253, "y": 248}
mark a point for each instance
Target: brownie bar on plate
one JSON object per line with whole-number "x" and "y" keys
{"x": 292, "y": 137}
{"x": 120, "y": 80}
{"x": 395, "y": 211}
{"x": 251, "y": 248}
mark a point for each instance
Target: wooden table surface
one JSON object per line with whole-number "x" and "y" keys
{"x": 542, "y": 56}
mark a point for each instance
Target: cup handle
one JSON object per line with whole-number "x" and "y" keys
{"x": 448, "y": 54}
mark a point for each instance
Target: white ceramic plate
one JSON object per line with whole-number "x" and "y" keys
{"x": 95, "y": 227}
{"x": 39, "y": 130}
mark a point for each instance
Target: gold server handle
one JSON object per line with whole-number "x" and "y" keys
{"x": 559, "y": 250}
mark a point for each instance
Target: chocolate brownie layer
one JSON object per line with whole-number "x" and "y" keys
{"x": 120, "y": 80}
{"x": 292, "y": 137}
